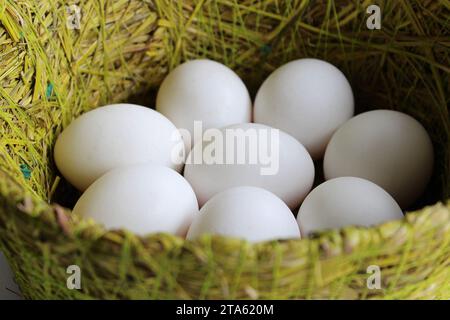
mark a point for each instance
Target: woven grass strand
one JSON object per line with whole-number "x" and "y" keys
{"x": 50, "y": 73}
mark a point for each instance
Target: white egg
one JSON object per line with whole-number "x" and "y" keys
{"x": 143, "y": 199}
{"x": 307, "y": 98}
{"x": 114, "y": 136}
{"x": 387, "y": 147}
{"x": 8, "y": 287}
{"x": 206, "y": 91}
{"x": 344, "y": 202}
{"x": 253, "y": 155}
{"x": 245, "y": 212}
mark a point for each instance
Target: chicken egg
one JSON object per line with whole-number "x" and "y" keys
{"x": 205, "y": 91}
{"x": 346, "y": 201}
{"x": 249, "y": 213}
{"x": 143, "y": 199}
{"x": 115, "y": 136}
{"x": 387, "y": 147}
{"x": 307, "y": 98}
{"x": 250, "y": 155}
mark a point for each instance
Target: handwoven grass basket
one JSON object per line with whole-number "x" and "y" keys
{"x": 53, "y": 69}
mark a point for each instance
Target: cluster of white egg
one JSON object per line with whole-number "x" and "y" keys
{"x": 128, "y": 159}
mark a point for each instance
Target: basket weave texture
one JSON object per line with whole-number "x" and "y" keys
{"x": 52, "y": 70}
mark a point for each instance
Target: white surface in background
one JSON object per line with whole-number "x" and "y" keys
{"x": 8, "y": 288}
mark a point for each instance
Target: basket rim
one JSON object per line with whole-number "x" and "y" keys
{"x": 54, "y": 215}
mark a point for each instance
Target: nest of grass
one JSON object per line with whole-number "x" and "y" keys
{"x": 51, "y": 72}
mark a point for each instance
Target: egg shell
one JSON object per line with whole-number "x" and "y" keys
{"x": 249, "y": 213}
{"x": 292, "y": 169}
{"x": 114, "y": 136}
{"x": 346, "y": 201}
{"x": 203, "y": 90}
{"x": 387, "y": 147}
{"x": 307, "y": 98}
{"x": 143, "y": 199}
{"x": 8, "y": 287}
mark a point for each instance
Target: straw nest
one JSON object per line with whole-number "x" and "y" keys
{"x": 51, "y": 72}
